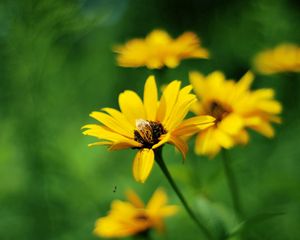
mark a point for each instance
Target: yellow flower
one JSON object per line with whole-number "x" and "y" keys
{"x": 133, "y": 217}
{"x": 283, "y": 58}
{"x": 235, "y": 108}
{"x": 158, "y": 49}
{"x": 149, "y": 124}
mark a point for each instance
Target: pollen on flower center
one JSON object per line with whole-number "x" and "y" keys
{"x": 148, "y": 132}
{"x": 218, "y": 110}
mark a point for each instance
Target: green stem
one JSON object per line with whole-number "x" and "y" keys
{"x": 231, "y": 180}
{"x": 163, "y": 167}
{"x": 143, "y": 236}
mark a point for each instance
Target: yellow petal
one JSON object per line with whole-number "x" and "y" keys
{"x": 179, "y": 113}
{"x": 122, "y": 208}
{"x": 142, "y": 164}
{"x": 154, "y": 63}
{"x": 197, "y": 108}
{"x": 113, "y": 124}
{"x": 201, "y": 53}
{"x": 168, "y": 100}
{"x": 275, "y": 119}
{"x": 124, "y": 145}
{"x": 188, "y": 45}
{"x": 206, "y": 143}
{"x": 265, "y": 129}
{"x": 265, "y": 102}
{"x": 159, "y": 37}
{"x": 193, "y": 125}
{"x": 180, "y": 144}
{"x": 270, "y": 107}
{"x": 223, "y": 139}
{"x": 106, "y": 143}
{"x": 121, "y": 222}
{"x": 231, "y": 124}
{"x": 109, "y": 228}
{"x": 131, "y": 106}
{"x": 104, "y": 133}
{"x": 198, "y": 81}
{"x": 215, "y": 79}
{"x": 172, "y": 61}
{"x": 169, "y": 210}
{"x": 252, "y": 121}
{"x": 242, "y": 137}
{"x": 245, "y": 81}
{"x": 197, "y": 121}
{"x": 150, "y": 98}
{"x": 158, "y": 200}
{"x": 265, "y": 93}
{"x": 163, "y": 139}
{"x": 134, "y": 199}
{"x": 189, "y": 131}
{"x": 180, "y": 108}
{"x": 118, "y": 116}
{"x": 158, "y": 209}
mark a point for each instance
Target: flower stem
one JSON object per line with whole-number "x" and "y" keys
{"x": 231, "y": 180}
{"x": 163, "y": 167}
{"x": 145, "y": 235}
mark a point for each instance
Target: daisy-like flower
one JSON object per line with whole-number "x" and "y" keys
{"x": 283, "y": 58}
{"x": 159, "y": 49}
{"x": 235, "y": 108}
{"x": 133, "y": 217}
{"x": 147, "y": 125}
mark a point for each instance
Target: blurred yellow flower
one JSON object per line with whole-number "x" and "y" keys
{"x": 235, "y": 108}
{"x": 283, "y": 58}
{"x": 158, "y": 49}
{"x": 149, "y": 124}
{"x": 133, "y": 217}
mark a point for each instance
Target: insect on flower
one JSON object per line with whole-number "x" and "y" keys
{"x": 149, "y": 124}
{"x": 148, "y": 132}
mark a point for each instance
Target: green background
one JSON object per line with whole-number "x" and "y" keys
{"x": 57, "y": 66}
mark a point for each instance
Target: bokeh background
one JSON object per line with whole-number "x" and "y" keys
{"x": 57, "y": 66}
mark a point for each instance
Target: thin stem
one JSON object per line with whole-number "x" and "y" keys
{"x": 143, "y": 236}
{"x": 163, "y": 167}
{"x": 231, "y": 180}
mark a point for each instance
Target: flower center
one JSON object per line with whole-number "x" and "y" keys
{"x": 218, "y": 110}
{"x": 148, "y": 132}
{"x": 141, "y": 217}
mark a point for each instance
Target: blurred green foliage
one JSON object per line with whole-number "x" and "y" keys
{"x": 57, "y": 66}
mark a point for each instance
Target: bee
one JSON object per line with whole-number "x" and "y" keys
{"x": 115, "y": 189}
{"x": 148, "y": 132}
{"x": 144, "y": 129}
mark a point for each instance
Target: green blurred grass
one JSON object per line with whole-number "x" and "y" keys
{"x": 57, "y": 66}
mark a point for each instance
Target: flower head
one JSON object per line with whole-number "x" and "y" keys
{"x": 133, "y": 217}
{"x": 158, "y": 49}
{"x": 235, "y": 108}
{"x": 283, "y": 58}
{"x": 147, "y": 125}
